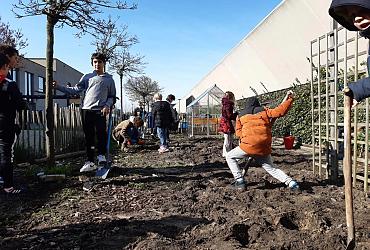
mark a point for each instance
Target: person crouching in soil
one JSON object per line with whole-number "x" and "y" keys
{"x": 127, "y": 133}
{"x": 253, "y": 127}
{"x": 226, "y": 125}
{"x": 354, "y": 15}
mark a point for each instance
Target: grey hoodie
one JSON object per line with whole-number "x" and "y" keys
{"x": 99, "y": 90}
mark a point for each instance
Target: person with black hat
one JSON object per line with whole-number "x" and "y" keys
{"x": 354, "y": 15}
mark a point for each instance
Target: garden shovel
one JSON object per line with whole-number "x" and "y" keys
{"x": 102, "y": 172}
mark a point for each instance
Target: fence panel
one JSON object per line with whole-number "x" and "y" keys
{"x": 68, "y": 132}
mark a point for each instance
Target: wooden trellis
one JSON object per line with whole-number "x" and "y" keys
{"x": 337, "y": 58}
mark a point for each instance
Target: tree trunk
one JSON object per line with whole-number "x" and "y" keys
{"x": 49, "y": 131}
{"x": 143, "y": 116}
{"x": 121, "y": 84}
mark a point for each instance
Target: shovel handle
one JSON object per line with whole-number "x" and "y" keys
{"x": 347, "y": 168}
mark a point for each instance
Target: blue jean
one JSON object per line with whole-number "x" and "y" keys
{"x": 162, "y": 134}
{"x": 133, "y": 133}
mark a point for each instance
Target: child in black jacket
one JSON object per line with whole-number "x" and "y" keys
{"x": 10, "y": 101}
{"x": 354, "y": 15}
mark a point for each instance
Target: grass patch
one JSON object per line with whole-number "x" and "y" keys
{"x": 135, "y": 185}
{"x": 67, "y": 193}
{"x": 33, "y": 170}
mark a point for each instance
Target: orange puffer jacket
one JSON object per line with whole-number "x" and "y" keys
{"x": 254, "y": 130}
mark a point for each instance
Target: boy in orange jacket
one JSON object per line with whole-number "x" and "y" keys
{"x": 253, "y": 127}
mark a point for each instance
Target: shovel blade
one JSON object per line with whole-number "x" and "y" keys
{"x": 102, "y": 172}
{"x": 351, "y": 245}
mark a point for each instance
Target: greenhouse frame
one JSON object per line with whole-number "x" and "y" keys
{"x": 204, "y": 112}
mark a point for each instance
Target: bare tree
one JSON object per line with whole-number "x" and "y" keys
{"x": 126, "y": 65}
{"x": 141, "y": 88}
{"x": 112, "y": 38}
{"x": 11, "y": 36}
{"x": 80, "y": 14}
{"x": 114, "y": 43}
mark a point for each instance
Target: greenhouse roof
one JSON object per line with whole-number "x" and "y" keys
{"x": 214, "y": 92}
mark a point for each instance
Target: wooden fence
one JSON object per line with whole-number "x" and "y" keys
{"x": 68, "y": 132}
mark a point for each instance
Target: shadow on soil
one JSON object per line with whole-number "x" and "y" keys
{"x": 106, "y": 235}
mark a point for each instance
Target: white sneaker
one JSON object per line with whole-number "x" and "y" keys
{"x": 88, "y": 166}
{"x": 101, "y": 159}
{"x": 293, "y": 185}
{"x": 163, "y": 150}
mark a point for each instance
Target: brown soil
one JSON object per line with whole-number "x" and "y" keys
{"x": 182, "y": 199}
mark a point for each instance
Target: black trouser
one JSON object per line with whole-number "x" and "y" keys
{"x": 94, "y": 124}
{"x": 168, "y": 134}
{"x": 6, "y": 165}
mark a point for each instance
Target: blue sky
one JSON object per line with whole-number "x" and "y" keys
{"x": 181, "y": 40}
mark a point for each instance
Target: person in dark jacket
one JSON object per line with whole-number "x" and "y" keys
{"x": 162, "y": 116}
{"x": 226, "y": 123}
{"x": 173, "y": 126}
{"x": 354, "y": 15}
{"x": 13, "y": 55}
{"x": 253, "y": 127}
{"x": 10, "y": 102}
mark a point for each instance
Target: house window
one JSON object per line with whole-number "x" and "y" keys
{"x": 13, "y": 74}
{"x": 28, "y": 83}
{"x": 41, "y": 84}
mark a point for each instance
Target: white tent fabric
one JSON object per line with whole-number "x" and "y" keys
{"x": 275, "y": 52}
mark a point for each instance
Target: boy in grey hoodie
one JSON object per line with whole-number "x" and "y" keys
{"x": 99, "y": 92}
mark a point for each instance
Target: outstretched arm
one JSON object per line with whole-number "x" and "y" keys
{"x": 75, "y": 90}
{"x": 283, "y": 108}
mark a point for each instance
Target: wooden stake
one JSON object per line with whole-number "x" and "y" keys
{"x": 347, "y": 169}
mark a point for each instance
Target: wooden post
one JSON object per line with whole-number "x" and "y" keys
{"x": 347, "y": 169}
